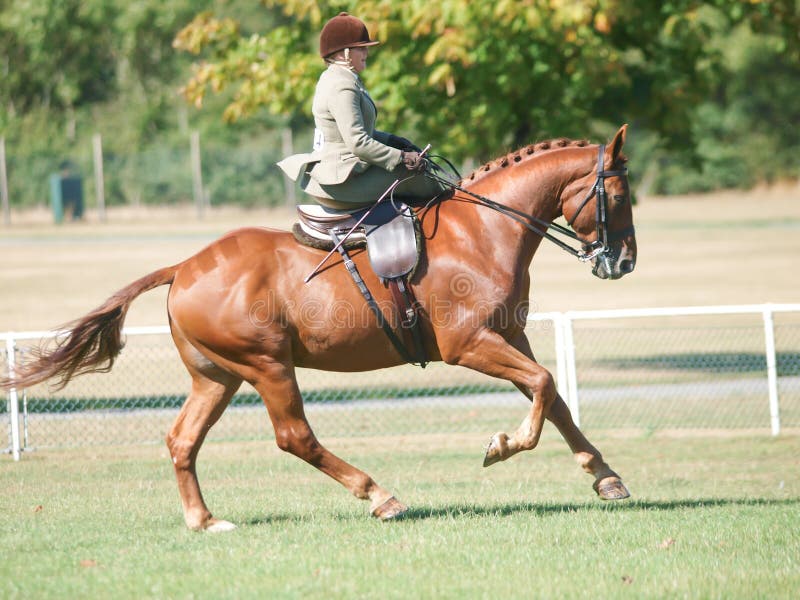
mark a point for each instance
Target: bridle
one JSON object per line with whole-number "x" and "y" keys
{"x": 600, "y": 245}
{"x": 540, "y": 227}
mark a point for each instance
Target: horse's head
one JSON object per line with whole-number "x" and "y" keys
{"x": 598, "y": 207}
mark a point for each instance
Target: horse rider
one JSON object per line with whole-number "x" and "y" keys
{"x": 353, "y": 163}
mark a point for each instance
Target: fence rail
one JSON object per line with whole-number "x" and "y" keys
{"x": 713, "y": 366}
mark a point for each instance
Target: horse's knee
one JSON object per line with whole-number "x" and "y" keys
{"x": 543, "y": 385}
{"x": 283, "y": 439}
{"x": 181, "y": 453}
{"x": 298, "y": 441}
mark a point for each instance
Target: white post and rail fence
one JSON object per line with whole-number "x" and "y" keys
{"x": 567, "y": 377}
{"x": 724, "y": 363}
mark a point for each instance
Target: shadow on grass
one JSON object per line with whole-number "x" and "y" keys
{"x": 277, "y": 518}
{"x": 504, "y": 510}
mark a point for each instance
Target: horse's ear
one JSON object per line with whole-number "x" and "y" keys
{"x": 615, "y": 147}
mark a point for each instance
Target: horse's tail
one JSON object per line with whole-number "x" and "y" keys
{"x": 89, "y": 344}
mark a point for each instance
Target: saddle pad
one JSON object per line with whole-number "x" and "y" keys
{"x": 315, "y": 239}
{"x": 317, "y": 221}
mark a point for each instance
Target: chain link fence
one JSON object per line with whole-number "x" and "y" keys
{"x": 634, "y": 373}
{"x": 685, "y": 372}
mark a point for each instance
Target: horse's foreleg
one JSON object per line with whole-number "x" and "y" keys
{"x": 293, "y": 434}
{"x": 492, "y": 355}
{"x": 607, "y": 483}
{"x": 202, "y": 409}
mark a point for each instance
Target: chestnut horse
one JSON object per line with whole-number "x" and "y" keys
{"x": 236, "y": 312}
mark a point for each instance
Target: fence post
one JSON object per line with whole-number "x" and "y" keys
{"x": 4, "y": 183}
{"x": 13, "y": 400}
{"x": 572, "y": 373}
{"x": 99, "y": 183}
{"x": 197, "y": 173}
{"x": 772, "y": 370}
{"x": 561, "y": 365}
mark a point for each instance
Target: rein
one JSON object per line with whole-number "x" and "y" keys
{"x": 541, "y": 227}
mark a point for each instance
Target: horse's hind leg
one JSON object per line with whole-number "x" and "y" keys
{"x": 293, "y": 434}
{"x": 211, "y": 392}
{"x": 607, "y": 483}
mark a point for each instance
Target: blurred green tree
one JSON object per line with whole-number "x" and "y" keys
{"x": 709, "y": 87}
{"x": 477, "y": 77}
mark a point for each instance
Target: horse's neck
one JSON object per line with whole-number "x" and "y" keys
{"x": 534, "y": 189}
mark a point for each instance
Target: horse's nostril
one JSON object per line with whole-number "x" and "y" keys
{"x": 626, "y": 266}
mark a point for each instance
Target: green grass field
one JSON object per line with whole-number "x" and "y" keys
{"x": 711, "y": 517}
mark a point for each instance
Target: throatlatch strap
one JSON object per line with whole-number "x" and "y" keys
{"x": 362, "y": 287}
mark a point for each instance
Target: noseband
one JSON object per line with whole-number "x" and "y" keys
{"x": 539, "y": 226}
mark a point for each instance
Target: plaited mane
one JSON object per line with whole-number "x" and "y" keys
{"x": 521, "y": 155}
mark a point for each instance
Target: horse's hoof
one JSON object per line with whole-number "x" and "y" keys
{"x": 497, "y": 450}
{"x": 391, "y": 509}
{"x": 219, "y": 526}
{"x": 611, "y": 488}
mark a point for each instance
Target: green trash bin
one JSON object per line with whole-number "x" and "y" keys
{"x": 56, "y": 200}
{"x": 66, "y": 196}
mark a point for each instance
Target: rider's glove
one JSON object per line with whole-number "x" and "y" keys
{"x": 414, "y": 161}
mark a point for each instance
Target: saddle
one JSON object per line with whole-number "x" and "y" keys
{"x": 390, "y": 233}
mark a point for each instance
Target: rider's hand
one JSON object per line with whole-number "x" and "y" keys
{"x": 414, "y": 161}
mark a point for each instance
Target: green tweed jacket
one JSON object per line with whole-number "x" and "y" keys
{"x": 344, "y": 115}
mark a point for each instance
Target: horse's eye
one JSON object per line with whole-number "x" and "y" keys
{"x": 619, "y": 198}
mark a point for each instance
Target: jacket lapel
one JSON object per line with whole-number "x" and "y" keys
{"x": 366, "y": 93}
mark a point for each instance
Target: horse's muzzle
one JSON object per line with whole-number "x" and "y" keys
{"x": 618, "y": 260}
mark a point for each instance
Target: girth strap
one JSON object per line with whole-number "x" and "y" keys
{"x": 409, "y": 315}
{"x": 373, "y": 306}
